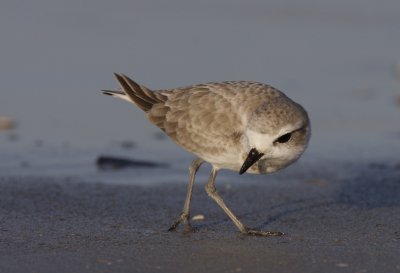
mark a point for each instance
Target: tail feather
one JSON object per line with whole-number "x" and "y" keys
{"x": 117, "y": 94}
{"x": 140, "y": 91}
{"x": 113, "y": 92}
{"x": 141, "y": 96}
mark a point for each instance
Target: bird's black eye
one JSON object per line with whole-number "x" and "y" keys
{"x": 284, "y": 138}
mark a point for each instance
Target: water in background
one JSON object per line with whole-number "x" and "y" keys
{"x": 339, "y": 59}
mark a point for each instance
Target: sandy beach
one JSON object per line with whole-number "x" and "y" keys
{"x": 331, "y": 224}
{"x": 65, "y": 208}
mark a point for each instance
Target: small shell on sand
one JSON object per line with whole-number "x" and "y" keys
{"x": 198, "y": 217}
{"x": 6, "y": 123}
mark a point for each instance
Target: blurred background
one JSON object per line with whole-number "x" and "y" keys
{"x": 339, "y": 59}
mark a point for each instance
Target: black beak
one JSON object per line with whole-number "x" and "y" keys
{"x": 252, "y": 158}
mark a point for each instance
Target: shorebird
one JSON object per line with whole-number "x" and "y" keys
{"x": 237, "y": 125}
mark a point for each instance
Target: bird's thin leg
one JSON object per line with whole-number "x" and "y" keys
{"x": 212, "y": 192}
{"x": 193, "y": 168}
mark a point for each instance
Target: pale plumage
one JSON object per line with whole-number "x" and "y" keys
{"x": 241, "y": 126}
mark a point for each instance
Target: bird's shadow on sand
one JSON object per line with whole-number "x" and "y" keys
{"x": 372, "y": 185}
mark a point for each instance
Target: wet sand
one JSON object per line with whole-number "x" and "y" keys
{"x": 332, "y": 224}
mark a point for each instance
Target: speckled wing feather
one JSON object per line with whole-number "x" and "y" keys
{"x": 207, "y": 119}
{"x": 194, "y": 116}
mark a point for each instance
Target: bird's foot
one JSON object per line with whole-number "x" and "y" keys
{"x": 254, "y": 232}
{"x": 184, "y": 217}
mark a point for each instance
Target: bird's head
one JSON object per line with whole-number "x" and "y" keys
{"x": 277, "y": 134}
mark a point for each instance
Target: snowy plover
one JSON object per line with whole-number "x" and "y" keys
{"x": 241, "y": 126}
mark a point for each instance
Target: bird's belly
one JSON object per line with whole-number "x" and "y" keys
{"x": 228, "y": 161}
